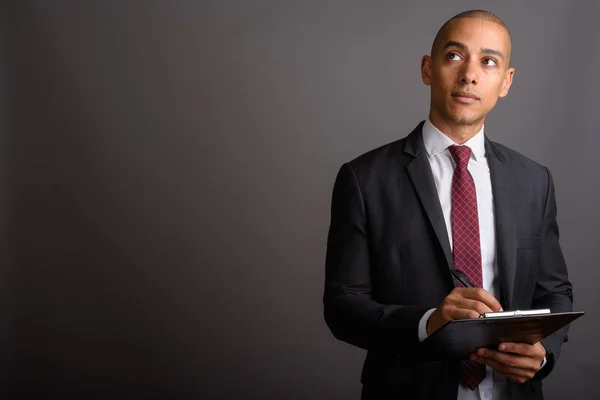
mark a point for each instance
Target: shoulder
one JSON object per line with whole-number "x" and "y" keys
{"x": 390, "y": 157}
{"x": 371, "y": 168}
{"x": 378, "y": 156}
{"x": 515, "y": 160}
{"x": 527, "y": 175}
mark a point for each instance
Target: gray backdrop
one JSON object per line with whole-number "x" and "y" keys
{"x": 168, "y": 167}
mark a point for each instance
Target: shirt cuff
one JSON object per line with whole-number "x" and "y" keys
{"x": 543, "y": 363}
{"x": 423, "y": 327}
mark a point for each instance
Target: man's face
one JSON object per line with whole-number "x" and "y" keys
{"x": 468, "y": 71}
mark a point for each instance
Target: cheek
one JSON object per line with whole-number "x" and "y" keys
{"x": 490, "y": 101}
{"x": 502, "y": 84}
{"x": 438, "y": 94}
{"x": 493, "y": 92}
{"x": 443, "y": 77}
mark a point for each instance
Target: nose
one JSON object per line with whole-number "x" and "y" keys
{"x": 468, "y": 73}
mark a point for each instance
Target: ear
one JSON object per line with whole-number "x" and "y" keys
{"x": 508, "y": 78}
{"x": 426, "y": 70}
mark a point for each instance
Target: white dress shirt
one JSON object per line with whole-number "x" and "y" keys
{"x": 442, "y": 167}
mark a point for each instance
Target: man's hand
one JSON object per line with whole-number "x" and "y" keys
{"x": 516, "y": 361}
{"x": 462, "y": 303}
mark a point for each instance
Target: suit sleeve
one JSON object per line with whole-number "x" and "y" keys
{"x": 553, "y": 289}
{"x": 350, "y": 310}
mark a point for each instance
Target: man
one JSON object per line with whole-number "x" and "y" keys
{"x": 446, "y": 197}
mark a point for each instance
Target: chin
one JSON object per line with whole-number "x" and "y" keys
{"x": 465, "y": 119}
{"x": 468, "y": 121}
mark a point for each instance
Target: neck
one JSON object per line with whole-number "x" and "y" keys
{"x": 459, "y": 133}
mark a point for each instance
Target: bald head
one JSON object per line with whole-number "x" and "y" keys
{"x": 476, "y": 14}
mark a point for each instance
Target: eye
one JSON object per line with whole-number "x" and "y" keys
{"x": 452, "y": 56}
{"x": 490, "y": 62}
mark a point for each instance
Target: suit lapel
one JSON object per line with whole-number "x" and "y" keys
{"x": 506, "y": 228}
{"x": 421, "y": 176}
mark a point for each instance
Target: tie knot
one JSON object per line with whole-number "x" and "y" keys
{"x": 460, "y": 154}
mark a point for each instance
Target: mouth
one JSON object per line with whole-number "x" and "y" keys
{"x": 465, "y": 97}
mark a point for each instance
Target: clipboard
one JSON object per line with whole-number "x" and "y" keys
{"x": 456, "y": 339}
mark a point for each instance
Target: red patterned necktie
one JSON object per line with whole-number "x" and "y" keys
{"x": 465, "y": 242}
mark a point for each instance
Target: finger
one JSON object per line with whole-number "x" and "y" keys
{"x": 510, "y": 360}
{"x": 514, "y": 373}
{"x": 474, "y": 305}
{"x": 456, "y": 301}
{"x": 483, "y": 296}
{"x": 518, "y": 379}
{"x": 455, "y": 312}
{"x": 524, "y": 349}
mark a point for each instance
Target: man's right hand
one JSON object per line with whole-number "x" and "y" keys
{"x": 462, "y": 303}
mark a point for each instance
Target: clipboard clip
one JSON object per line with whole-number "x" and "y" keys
{"x": 516, "y": 313}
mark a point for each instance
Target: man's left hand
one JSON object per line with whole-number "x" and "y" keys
{"x": 516, "y": 361}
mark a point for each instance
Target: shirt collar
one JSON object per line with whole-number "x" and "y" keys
{"x": 436, "y": 142}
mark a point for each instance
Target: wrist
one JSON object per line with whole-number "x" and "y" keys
{"x": 430, "y": 326}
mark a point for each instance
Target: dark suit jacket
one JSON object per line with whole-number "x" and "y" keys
{"x": 388, "y": 260}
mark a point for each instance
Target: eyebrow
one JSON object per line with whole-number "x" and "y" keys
{"x": 463, "y": 47}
